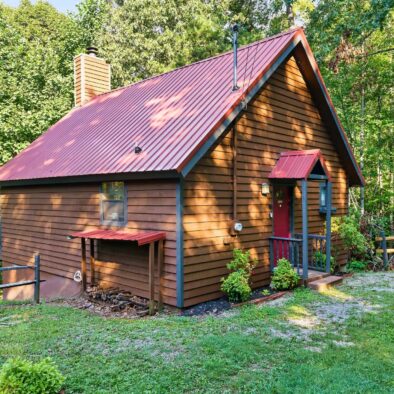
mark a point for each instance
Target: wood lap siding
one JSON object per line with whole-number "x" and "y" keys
{"x": 282, "y": 117}
{"x": 38, "y": 218}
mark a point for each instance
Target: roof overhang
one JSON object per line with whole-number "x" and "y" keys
{"x": 128, "y": 176}
{"x": 296, "y": 165}
{"x": 141, "y": 237}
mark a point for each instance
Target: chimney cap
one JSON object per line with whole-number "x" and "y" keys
{"x": 92, "y": 51}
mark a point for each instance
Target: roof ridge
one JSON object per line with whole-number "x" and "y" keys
{"x": 266, "y": 39}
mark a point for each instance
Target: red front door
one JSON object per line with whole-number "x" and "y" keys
{"x": 281, "y": 213}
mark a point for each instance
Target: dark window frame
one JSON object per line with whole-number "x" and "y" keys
{"x": 323, "y": 208}
{"x": 119, "y": 223}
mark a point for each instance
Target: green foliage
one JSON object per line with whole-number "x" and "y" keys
{"x": 237, "y": 287}
{"x": 284, "y": 276}
{"x": 20, "y": 376}
{"x": 357, "y": 266}
{"x": 320, "y": 259}
{"x": 147, "y": 37}
{"x": 237, "y": 284}
{"x": 265, "y": 292}
{"x": 354, "y": 240}
{"x": 242, "y": 262}
{"x": 37, "y": 45}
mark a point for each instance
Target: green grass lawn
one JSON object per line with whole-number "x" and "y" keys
{"x": 341, "y": 341}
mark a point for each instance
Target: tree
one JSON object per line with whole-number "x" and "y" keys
{"x": 37, "y": 45}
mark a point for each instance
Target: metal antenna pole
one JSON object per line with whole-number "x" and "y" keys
{"x": 235, "y": 53}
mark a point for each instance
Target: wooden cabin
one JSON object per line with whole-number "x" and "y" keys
{"x": 178, "y": 170}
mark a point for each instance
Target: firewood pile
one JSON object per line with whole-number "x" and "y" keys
{"x": 118, "y": 300}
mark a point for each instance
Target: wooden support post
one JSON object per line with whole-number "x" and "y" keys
{"x": 384, "y": 248}
{"x": 328, "y": 225}
{"x": 160, "y": 259}
{"x": 83, "y": 263}
{"x": 37, "y": 278}
{"x": 92, "y": 264}
{"x": 305, "y": 230}
{"x": 151, "y": 278}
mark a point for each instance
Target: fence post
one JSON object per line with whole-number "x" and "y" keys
{"x": 37, "y": 278}
{"x": 384, "y": 247}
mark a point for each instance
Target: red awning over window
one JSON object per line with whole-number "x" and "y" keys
{"x": 299, "y": 165}
{"x": 142, "y": 237}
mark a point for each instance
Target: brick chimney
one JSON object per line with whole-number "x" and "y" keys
{"x": 92, "y": 76}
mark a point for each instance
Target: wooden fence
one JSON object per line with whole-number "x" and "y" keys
{"x": 36, "y": 281}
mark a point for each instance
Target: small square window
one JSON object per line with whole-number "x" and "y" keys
{"x": 113, "y": 203}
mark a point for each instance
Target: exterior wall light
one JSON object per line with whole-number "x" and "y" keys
{"x": 265, "y": 189}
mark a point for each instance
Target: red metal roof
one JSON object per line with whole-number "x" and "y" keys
{"x": 169, "y": 116}
{"x": 297, "y": 164}
{"x": 142, "y": 237}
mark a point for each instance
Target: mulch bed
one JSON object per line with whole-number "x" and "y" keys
{"x": 222, "y": 304}
{"x": 113, "y": 302}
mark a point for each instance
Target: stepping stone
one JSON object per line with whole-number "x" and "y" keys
{"x": 325, "y": 283}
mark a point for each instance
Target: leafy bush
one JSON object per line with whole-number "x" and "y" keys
{"x": 320, "y": 258}
{"x": 354, "y": 240}
{"x": 357, "y": 266}
{"x": 237, "y": 284}
{"x": 19, "y": 376}
{"x": 284, "y": 276}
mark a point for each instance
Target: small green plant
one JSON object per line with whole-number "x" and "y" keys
{"x": 357, "y": 266}
{"x": 284, "y": 276}
{"x": 265, "y": 292}
{"x": 20, "y": 376}
{"x": 237, "y": 284}
{"x": 320, "y": 259}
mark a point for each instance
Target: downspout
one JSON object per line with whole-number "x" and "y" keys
{"x": 234, "y": 149}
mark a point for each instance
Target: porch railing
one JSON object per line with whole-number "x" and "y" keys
{"x": 316, "y": 251}
{"x": 291, "y": 249}
{"x": 288, "y": 248}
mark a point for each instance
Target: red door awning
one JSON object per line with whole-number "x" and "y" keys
{"x": 299, "y": 165}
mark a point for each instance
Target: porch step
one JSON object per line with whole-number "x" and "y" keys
{"x": 325, "y": 283}
{"x": 313, "y": 275}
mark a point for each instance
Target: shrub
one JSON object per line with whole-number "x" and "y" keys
{"x": 354, "y": 240}
{"x": 284, "y": 276}
{"x": 20, "y": 376}
{"x": 320, "y": 258}
{"x": 357, "y": 266}
{"x": 237, "y": 284}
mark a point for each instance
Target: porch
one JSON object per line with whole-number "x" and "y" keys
{"x": 309, "y": 254}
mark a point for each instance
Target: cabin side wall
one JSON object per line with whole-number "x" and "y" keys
{"x": 282, "y": 117}
{"x": 38, "y": 218}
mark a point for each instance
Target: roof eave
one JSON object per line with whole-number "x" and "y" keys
{"x": 121, "y": 176}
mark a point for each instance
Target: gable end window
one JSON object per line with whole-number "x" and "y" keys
{"x": 113, "y": 203}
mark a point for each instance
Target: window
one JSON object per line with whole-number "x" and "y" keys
{"x": 113, "y": 203}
